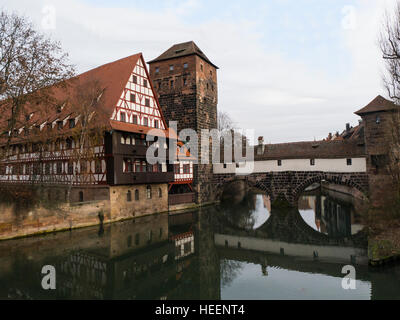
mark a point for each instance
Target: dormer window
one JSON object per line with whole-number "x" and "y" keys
{"x": 59, "y": 125}
{"x": 71, "y": 123}
{"x": 59, "y": 109}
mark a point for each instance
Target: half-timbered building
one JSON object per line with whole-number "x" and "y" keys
{"x": 90, "y": 140}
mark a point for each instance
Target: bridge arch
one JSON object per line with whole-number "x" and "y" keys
{"x": 335, "y": 179}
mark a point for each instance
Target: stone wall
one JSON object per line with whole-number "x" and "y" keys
{"x": 122, "y": 208}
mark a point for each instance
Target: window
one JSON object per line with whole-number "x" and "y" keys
{"x": 157, "y": 69}
{"x": 145, "y": 121}
{"x": 279, "y": 163}
{"x": 171, "y": 84}
{"x": 145, "y": 83}
{"x": 59, "y": 167}
{"x": 123, "y": 116}
{"x": 47, "y": 168}
{"x": 128, "y": 165}
{"x": 224, "y": 165}
{"x": 201, "y": 67}
{"x": 83, "y": 167}
{"x": 129, "y": 196}
{"x": 159, "y": 193}
{"x": 70, "y": 168}
{"x": 68, "y": 144}
{"x": 135, "y": 119}
{"x": 137, "y": 239}
{"x": 147, "y": 102}
{"x": 134, "y": 79}
{"x": 59, "y": 125}
{"x": 133, "y": 97}
{"x": 156, "y": 124}
{"x": 177, "y": 168}
{"x": 210, "y": 73}
{"x": 97, "y": 166}
{"x": 80, "y": 196}
{"x": 348, "y": 161}
{"x": 378, "y": 119}
{"x": 171, "y": 68}
{"x": 71, "y": 123}
{"x": 186, "y": 168}
{"x": 185, "y": 66}
{"x": 237, "y": 165}
{"x": 148, "y": 192}
{"x": 136, "y": 195}
{"x": 312, "y": 162}
{"x": 184, "y": 81}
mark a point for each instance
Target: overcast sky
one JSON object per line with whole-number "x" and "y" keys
{"x": 292, "y": 70}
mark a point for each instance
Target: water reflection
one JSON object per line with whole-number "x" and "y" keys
{"x": 251, "y": 250}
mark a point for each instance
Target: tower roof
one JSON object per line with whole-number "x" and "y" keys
{"x": 377, "y": 105}
{"x": 182, "y": 50}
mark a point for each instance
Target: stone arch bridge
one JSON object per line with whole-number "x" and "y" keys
{"x": 290, "y": 184}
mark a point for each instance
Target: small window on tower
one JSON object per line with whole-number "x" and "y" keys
{"x": 378, "y": 120}
{"x": 157, "y": 69}
{"x": 171, "y": 84}
{"x": 134, "y": 79}
{"x": 145, "y": 83}
{"x": 133, "y": 97}
{"x": 147, "y": 102}
{"x": 184, "y": 81}
{"x": 185, "y": 66}
{"x": 171, "y": 68}
{"x": 72, "y": 123}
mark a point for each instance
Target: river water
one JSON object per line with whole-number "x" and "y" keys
{"x": 244, "y": 250}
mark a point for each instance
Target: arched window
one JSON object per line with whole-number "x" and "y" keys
{"x": 129, "y": 196}
{"x": 148, "y": 192}
{"x": 159, "y": 193}
{"x": 136, "y": 195}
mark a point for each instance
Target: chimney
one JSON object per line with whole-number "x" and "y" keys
{"x": 330, "y": 136}
{"x": 347, "y": 127}
{"x": 261, "y": 146}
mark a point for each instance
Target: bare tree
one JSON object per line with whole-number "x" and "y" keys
{"x": 30, "y": 63}
{"x": 87, "y": 136}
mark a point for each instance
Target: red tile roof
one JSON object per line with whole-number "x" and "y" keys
{"x": 376, "y": 105}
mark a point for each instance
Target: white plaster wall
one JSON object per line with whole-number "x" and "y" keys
{"x": 325, "y": 165}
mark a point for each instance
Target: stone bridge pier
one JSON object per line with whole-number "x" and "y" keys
{"x": 291, "y": 184}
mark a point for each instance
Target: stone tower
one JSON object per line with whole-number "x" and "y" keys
{"x": 186, "y": 84}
